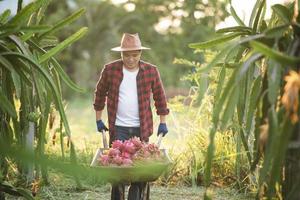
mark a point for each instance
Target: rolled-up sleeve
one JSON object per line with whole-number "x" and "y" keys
{"x": 101, "y": 90}
{"x": 159, "y": 96}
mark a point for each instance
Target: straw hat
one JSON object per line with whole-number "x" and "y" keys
{"x": 130, "y": 42}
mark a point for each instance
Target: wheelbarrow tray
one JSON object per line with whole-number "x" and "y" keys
{"x": 140, "y": 172}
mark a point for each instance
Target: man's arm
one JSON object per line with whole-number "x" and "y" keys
{"x": 100, "y": 99}
{"x": 162, "y": 118}
{"x": 101, "y": 91}
{"x": 159, "y": 96}
{"x": 160, "y": 102}
{"x": 99, "y": 114}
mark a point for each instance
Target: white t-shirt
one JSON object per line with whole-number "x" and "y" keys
{"x": 128, "y": 106}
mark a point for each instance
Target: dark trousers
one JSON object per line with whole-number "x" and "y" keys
{"x": 137, "y": 190}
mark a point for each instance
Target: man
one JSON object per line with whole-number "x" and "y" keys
{"x": 127, "y": 85}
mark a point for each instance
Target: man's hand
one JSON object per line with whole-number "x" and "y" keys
{"x": 162, "y": 128}
{"x": 100, "y": 126}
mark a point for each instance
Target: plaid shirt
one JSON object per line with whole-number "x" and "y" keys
{"x": 148, "y": 80}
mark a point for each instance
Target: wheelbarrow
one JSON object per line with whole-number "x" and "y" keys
{"x": 143, "y": 172}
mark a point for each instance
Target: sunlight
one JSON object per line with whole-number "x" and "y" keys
{"x": 118, "y": 1}
{"x": 244, "y": 9}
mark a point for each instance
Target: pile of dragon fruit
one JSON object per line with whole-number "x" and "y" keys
{"x": 129, "y": 152}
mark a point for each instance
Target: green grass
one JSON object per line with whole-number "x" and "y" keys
{"x": 63, "y": 188}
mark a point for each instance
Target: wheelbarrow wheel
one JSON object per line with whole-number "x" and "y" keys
{"x": 134, "y": 193}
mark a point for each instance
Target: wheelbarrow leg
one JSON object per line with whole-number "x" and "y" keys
{"x": 134, "y": 192}
{"x": 146, "y": 192}
{"x": 118, "y": 192}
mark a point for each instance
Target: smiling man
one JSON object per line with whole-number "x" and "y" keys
{"x": 126, "y": 85}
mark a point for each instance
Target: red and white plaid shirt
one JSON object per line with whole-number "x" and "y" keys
{"x": 148, "y": 80}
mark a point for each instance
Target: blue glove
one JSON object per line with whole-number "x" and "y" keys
{"x": 162, "y": 128}
{"x": 101, "y": 126}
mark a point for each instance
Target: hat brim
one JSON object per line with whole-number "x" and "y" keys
{"x": 129, "y": 49}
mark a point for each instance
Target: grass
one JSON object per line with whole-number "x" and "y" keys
{"x": 62, "y": 188}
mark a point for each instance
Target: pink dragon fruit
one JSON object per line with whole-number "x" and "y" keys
{"x": 118, "y": 160}
{"x": 126, "y": 155}
{"x": 117, "y": 144}
{"x": 128, "y": 152}
{"x": 104, "y": 160}
{"x": 114, "y": 152}
{"x": 152, "y": 149}
{"x": 127, "y": 162}
{"x": 137, "y": 143}
{"x": 128, "y": 146}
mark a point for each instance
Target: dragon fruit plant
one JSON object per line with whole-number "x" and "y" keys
{"x": 129, "y": 152}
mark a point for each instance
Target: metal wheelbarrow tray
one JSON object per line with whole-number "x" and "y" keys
{"x": 139, "y": 172}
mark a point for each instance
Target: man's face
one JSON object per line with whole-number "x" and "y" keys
{"x": 131, "y": 58}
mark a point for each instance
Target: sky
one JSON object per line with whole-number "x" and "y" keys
{"x": 10, "y": 4}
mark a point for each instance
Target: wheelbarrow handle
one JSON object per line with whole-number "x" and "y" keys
{"x": 160, "y": 136}
{"x": 104, "y": 140}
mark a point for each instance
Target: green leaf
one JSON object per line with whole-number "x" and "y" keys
{"x": 209, "y": 156}
{"x": 41, "y": 12}
{"x": 63, "y": 23}
{"x": 254, "y": 12}
{"x": 22, "y": 69}
{"x": 25, "y": 193}
{"x": 48, "y": 42}
{"x": 230, "y": 107}
{"x": 247, "y": 64}
{"x": 235, "y": 16}
{"x": 59, "y": 69}
{"x": 17, "y": 83}
{"x": 221, "y": 79}
{"x": 6, "y": 105}
{"x": 9, "y": 28}
{"x": 283, "y": 12}
{"x": 65, "y": 77}
{"x": 228, "y": 65}
{"x": 216, "y": 59}
{"x": 237, "y": 29}
{"x": 5, "y": 63}
{"x": 50, "y": 82}
{"x": 20, "y": 44}
{"x": 251, "y": 38}
{"x": 214, "y": 42}
{"x": 272, "y": 145}
{"x": 202, "y": 87}
{"x": 263, "y": 26}
{"x": 76, "y": 36}
{"x": 274, "y": 79}
{"x": 16, "y": 79}
{"x": 221, "y": 101}
{"x": 279, "y": 153}
{"x": 4, "y": 16}
{"x": 273, "y": 54}
{"x": 277, "y": 31}
{"x": 254, "y": 97}
{"x": 21, "y": 17}
{"x": 26, "y": 36}
{"x": 35, "y": 28}
{"x": 259, "y": 15}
